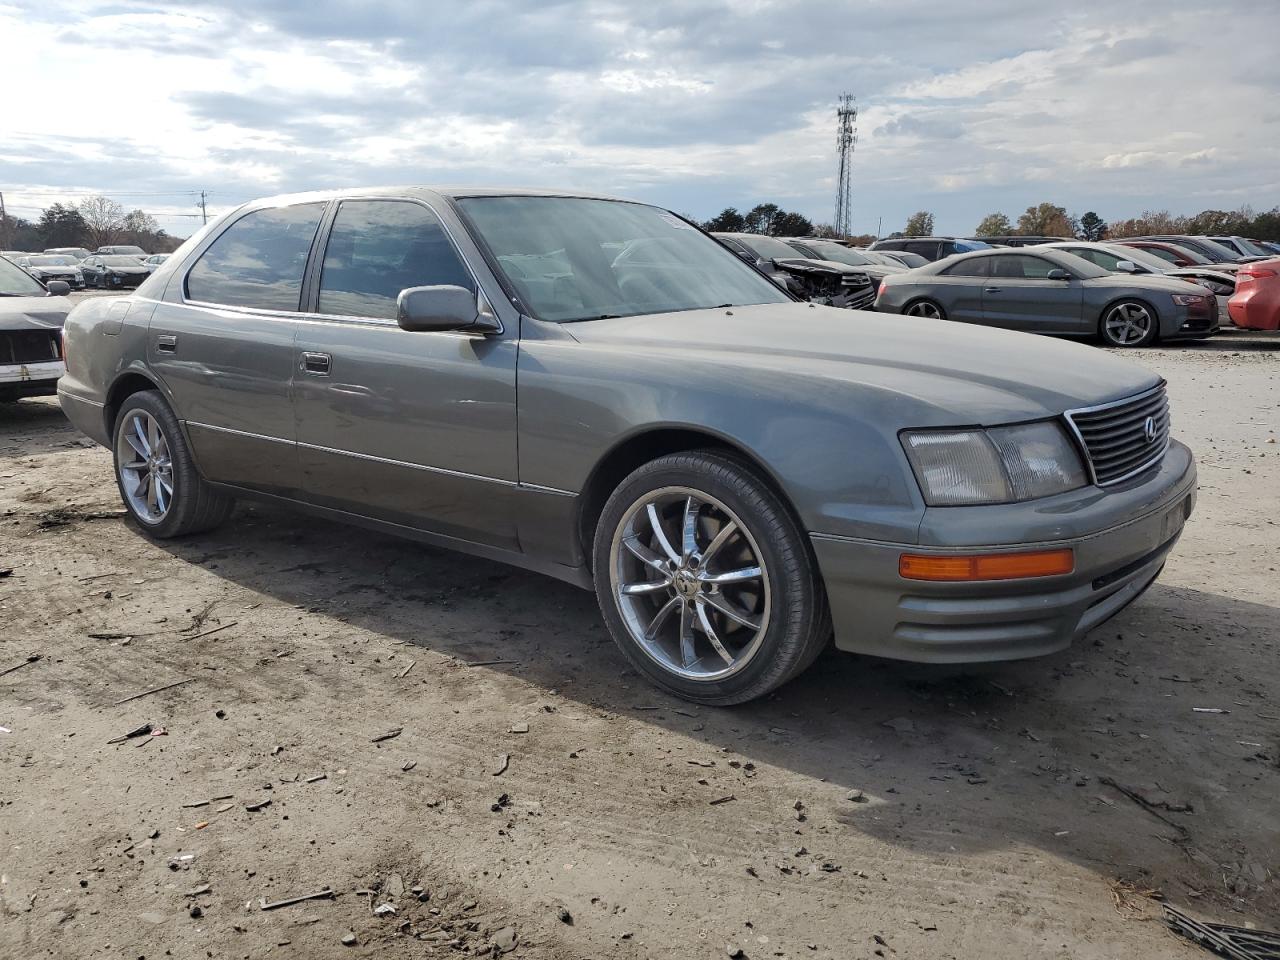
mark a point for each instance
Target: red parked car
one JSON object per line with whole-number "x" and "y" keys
{"x": 1256, "y": 303}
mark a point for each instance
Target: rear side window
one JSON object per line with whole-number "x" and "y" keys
{"x": 378, "y": 248}
{"x": 259, "y": 260}
{"x": 1107, "y": 261}
{"x": 971, "y": 267}
{"x": 1019, "y": 265}
{"x": 926, "y": 248}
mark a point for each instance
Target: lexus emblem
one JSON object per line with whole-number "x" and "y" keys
{"x": 1149, "y": 429}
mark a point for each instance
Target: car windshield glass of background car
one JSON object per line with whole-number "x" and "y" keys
{"x": 119, "y": 261}
{"x": 839, "y": 254}
{"x": 378, "y": 248}
{"x": 52, "y": 261}
{"x": 573, "y": 258}
{"x": 258, "y": 260}
{"x": 16, "y": 282}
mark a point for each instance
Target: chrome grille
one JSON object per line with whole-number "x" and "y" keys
{"x": 1117, "y": 438}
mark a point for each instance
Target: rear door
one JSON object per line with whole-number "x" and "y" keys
{"x": 1019, "y": 295}
{"x": 223, "y": 345}
{"x": 414, "y": 428}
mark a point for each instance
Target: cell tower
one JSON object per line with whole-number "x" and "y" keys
{"x": 846, "y": 140}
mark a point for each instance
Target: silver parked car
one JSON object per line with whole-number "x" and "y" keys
{"x": 1049, "y": 291}
{"x": 737, "y": 474}
{"x": 31, "y": 317}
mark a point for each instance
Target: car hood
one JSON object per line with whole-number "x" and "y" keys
{"x": 33, "y": 313}
{"x": 931, "y": 372}
{"x": 139, "y": 268}
{"x": 805, "y": 265}
{"x": 1144, "y": 281}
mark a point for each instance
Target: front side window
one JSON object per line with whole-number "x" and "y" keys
{"x": 574, "y": 258}
{"x": 1019, "y": 266}
{"x": 378, "y": 248}
{"x": 259, "y": 260}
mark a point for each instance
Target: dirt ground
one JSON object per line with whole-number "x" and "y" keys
{"x": 540, "y": 799}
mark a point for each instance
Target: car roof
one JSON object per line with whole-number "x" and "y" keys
{"x": 427, "y": 192}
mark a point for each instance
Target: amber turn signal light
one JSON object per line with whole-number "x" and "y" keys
{"x": 986, "y": 566}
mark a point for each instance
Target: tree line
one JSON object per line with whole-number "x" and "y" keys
{"x": 1051, "y": 220}
{"x": 92, "y": 223}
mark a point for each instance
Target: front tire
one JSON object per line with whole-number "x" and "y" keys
{"x": 156, "y": 475}
{"x": 706, "y": 582}
{"x": 1128, "y": 323}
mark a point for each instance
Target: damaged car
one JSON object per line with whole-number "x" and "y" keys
{"x": 827, "y": 282}
{"x": 31, "y": 317}
{"x": 45, "y": 267}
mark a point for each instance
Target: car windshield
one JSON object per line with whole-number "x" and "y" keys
{"x": 573, "y": 258}
{"x": 840, "y": 254}
{"x": 1252, "y": 249}
{"x": 52, "y": 262}
{"x": 119, "y": 261}
{"x": 15, "y": 282}
{"x": 768, "y": 248}
{"x": 1144, "y": 257}
{"x": 1194, "y": 255}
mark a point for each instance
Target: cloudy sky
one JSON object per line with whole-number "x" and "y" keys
{"x": 966, "y": 107}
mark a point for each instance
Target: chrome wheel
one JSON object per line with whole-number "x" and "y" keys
{"x": 690, "y": 583}
{"x": 924, "y": 308}
{"x": 1127, "y": 324}
{"x": 146, "y": 466}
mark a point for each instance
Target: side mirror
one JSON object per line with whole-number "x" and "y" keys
{"x": 58, "y": 288}
{"x": 1058, "y": 274}
{"x": 440, "y": 308}
{"x": 1128, "y": 266}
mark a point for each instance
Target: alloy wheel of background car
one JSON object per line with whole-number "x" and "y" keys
{"x": 1128, "y": 324}
{"x": 925, "y": 308}
{"x": 706, "y": 582}
{"x": 156, "y": 475}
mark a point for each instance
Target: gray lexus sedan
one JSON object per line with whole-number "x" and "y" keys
{"x": 738, "y": 475}
{"x": 1043, "y": 290}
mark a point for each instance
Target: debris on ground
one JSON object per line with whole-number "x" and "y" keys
{"x": 1238, "y": 943}
{"x": 324, "y": 893}
{"x": 141, "y": 731}
{"x": 389, "y": 735}
{"x": 504, "y": 761}
{"x": 147, "y": 693}
{"x": 519, "y": 726}
{"x": 1129, "y": 899}
{"x": 901, "y": 724}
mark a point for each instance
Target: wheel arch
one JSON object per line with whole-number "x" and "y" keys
{"x": 1125, "y": 298}
{"x": 125, "y": 385}
{"x": 923, "y": 298}
{"x": 649, "y": 444}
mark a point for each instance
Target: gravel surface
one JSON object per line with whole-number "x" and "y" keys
{"x": 552, "y": 805}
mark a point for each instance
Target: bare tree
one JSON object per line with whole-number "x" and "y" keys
{"x": 103, "y": 219}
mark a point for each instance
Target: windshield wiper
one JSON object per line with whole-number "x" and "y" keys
{"x": 599, "y": 316}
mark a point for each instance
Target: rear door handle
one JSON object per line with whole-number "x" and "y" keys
{"x": 316, "y": 363}
{"x": 993, "y": 289}
{"x": 167, "y": 343}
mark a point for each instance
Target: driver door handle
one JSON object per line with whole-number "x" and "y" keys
{"x": 993, "y": 289}
{"x": 316, "y": 363}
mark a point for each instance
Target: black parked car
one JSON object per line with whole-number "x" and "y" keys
{"x": 816, "y": 249}
{"x": 931, "y": 248}
{"x": 45, "y": 267}
{"x": 113, "y": 272}
{"x": 820, "y": 281}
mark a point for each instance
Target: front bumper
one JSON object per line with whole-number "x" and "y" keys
{"x": 876, "y": 611}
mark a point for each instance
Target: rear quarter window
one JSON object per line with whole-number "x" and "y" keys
{"x": 259, "y": 260}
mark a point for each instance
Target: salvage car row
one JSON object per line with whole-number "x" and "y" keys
{"x": 111, "y": 268}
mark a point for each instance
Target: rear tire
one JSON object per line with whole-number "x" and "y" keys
{"x": 156, "y": 475}
{"x": 928, "y": 309}
{"x": 720, "y": 615}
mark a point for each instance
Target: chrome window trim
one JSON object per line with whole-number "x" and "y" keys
{"x": 334, "y": 317}
{"x": 1069, "y": 415}
{"x": 386, "y": 460}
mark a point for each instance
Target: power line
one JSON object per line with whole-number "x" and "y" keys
{"x": 846, "y": 140}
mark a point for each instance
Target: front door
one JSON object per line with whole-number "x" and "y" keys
{"x": 410, "y": 427}
{"x": 224, "y": 348}
{"x": 1019, "y": 295}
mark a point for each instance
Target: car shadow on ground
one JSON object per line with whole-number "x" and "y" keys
{"x": 1088, "y": 755}
{"x": 36, "y": 426}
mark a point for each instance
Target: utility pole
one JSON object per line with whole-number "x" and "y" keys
{"x": 204, "y": 212}
{"x": 846, "y": 140}
{"x": 4, "y": 222}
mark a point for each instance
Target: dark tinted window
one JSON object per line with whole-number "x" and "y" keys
{"x": 258, "y": 261}
{"x": 378, "y": 248}
{"x": 926, "y": 248}
{"x": 1021, "y": 266}
{"x": 971, "y": 267}
{"x": 1100, "y": 258}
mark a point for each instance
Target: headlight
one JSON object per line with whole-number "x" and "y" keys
{"x": 1187, "y": 299}
{"x": 998, "y": 465}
